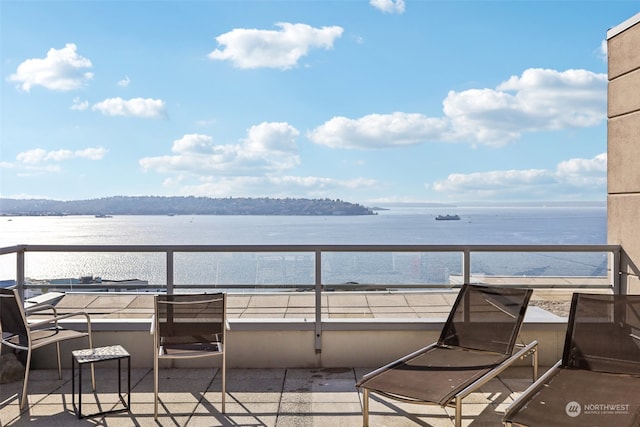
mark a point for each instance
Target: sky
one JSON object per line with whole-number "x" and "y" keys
{"x": 370, "y": 102}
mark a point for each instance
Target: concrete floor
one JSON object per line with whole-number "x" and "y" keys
{"x": 255, "y": 397}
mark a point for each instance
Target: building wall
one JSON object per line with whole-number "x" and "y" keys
{"x": 623, "y": 139}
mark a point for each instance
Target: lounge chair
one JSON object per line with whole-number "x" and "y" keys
{"x": 20, "y": 334}
{"x": 189, "y": 326}
{"x": 476, "y": 344}
{"x": 597, "y": 380}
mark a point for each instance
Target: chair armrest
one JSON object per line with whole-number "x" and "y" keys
{"x": 40, "y": 307}
{"x": 531, "y": 390}
{"x": 60, "y": 317}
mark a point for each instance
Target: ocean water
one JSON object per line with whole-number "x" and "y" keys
{"x": 399, "y": 225}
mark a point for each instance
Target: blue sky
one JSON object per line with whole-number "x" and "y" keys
{"x": 367, "y": 101}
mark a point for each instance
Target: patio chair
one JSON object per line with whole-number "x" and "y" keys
{"x": 189, "y": 326}
{"x": 22, "y": 333}
{"x": 597, "y": 380}
{"x": 476, "y": 344}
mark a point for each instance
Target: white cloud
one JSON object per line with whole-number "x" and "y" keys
{"x": 255, "y": 166}
{"x": 38, "y": 155}
{"x": 34, "y": 156}
{"x": 603, "y": 50}
{"x": 96, "y": 153}
{"x": 59, "y": 155}
{"x": 136, "y": 107}
{"x": 388, "y": 6}
{"x": 79, "y": 105}
{"x": 62, "y": 70}
{"x": 269, "y": 147}
{"x": 124, "y": 82}
{"x": 282, "y": 49}
{"x": 571, "y": 177}
{"x": 379, "y": 131}
{"x": 538, "y": 100}
{"x": 39, "y": 161}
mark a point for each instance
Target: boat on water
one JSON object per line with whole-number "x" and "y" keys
{"x": 447, "y": 217}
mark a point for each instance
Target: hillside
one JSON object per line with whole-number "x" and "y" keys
{"x": 151, "y": 205}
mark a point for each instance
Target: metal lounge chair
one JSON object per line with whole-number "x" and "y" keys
{"x": 597, "y": 380}
{"x": 189, "y": 326}
{"x": 476, "y": 344}
{"x": 22, "y": 334}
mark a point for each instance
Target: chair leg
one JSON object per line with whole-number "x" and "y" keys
{"x": 59, "y": 362}
{"x": 534, "y": 361}
{"x": 23, "y": 399}
{"x": 458, "y": 412}
{"x": 93, "y": 369}
{"x": 155, "y": 386}
{"x": 224, "y": 379}
{"x": 365, "y": 407}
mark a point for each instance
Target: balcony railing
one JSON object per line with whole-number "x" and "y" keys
{"x": 315, "y": 269}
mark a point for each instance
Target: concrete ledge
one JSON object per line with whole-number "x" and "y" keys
{"x": 290, "y": 343}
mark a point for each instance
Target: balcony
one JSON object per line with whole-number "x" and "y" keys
{"x": 256, "y": 397}
{"x": 298, "y": 341}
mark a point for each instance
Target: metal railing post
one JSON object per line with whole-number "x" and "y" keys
{"x": 318, "y": 304}
{"x": 466, "y": 266}
{"x": 169, "y": 271}
{"x": 20, "y": 273}
{"x": 614, "y": 261}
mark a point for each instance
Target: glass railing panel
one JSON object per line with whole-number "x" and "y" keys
{"x": 243, "y": 271}
{"x": 388, "y": 285}
{"x": 541, "y": 269}
{"x": 94, "y": 271}
{"x": 385, "y": 270}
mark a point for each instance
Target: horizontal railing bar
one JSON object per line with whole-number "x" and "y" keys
{"x": 10, "y": 249}
{"x": 327, "y": 288}
{"x": 311, "y": 248}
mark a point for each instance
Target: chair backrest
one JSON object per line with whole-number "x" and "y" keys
{"x": 603, "y": 333}
{"x": 486, "y": 318}
{"x": 12, "y": 318}
{"x": 190, "y": 318}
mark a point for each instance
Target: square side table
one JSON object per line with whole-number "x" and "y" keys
{"x": 96, "y": 355}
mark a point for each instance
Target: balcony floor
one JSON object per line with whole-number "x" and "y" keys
{"x": 338, "y": 305}
{"x": 255, "y": 397}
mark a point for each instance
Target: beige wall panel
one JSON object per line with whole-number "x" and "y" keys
{"x": 623, "y": 225}
{"x": 623, "y": 52}
{"x": 619, "y": 99}
{"x": 623, "y": 159}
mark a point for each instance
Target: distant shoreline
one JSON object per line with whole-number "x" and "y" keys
{"x": 152, "y": 205}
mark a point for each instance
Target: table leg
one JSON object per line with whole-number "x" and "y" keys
{"x": 129, "y": 383}
{"x": 79, "y": 390}
{"x": 73, "y": 383}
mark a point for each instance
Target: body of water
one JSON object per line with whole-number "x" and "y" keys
{"x": 402, "y": 225}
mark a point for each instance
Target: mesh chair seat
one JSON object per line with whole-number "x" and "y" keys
{"x": 476, "y": 343}
{"x": 189, "y": 326}
{"x": 596, "y": 381}
{"x": 449, "y": 368}
{"x": 19, "y": 334}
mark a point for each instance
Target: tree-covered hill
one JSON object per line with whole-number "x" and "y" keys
{"x": 152, "y": 205}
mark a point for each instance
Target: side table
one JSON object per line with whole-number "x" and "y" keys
{"x": 95, "y": 355}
